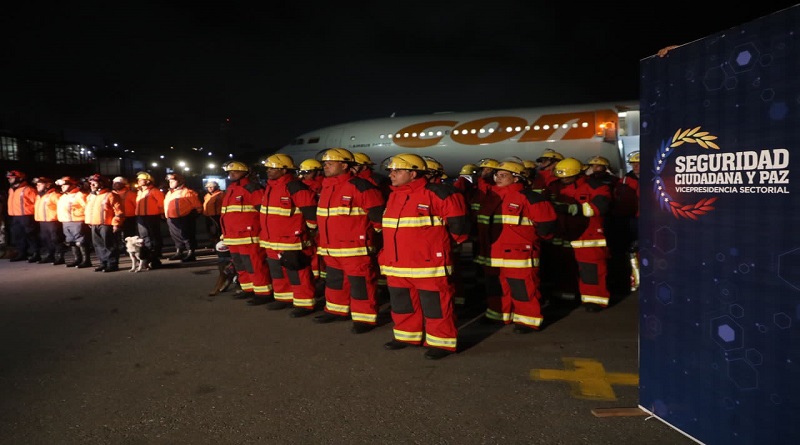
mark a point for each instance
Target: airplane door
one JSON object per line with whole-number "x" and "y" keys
{"x": 334, "y": 138}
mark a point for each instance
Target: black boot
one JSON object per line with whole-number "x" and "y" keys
{"x": 35, "y": 258}
{"x": 76, "y": 253}
{"x": 188, "y": 257}
{"x": 58, "y": 258}
{"x": 86, "y": 260}
{"x": 178, "y": 255}
{"x": 47, "y": 260}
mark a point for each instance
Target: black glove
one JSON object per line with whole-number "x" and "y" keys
{"x": 293, "y": 260}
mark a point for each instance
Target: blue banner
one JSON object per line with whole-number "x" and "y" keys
{"x": 720, "y": 234}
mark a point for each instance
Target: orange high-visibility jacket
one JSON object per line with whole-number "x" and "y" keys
{"x": 47, "y": 206}
{"x": 180, "y": 201}
{"x": 128, "y": 198}
{"x": 22, "y": 200}
{"x": 212, "y": 203}
{"x": 72, "y": 206}
{"x": 104, "y": 207}
{"x": 149, "y": 201}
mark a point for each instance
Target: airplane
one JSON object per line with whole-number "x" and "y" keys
{"x": 454, "y": 139}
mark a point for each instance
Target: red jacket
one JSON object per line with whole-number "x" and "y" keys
{"x": 511, "y": 223}
{"x": 288, "y": 210}
{"x": 588, "y": 230}
{"x": 240, "y": 212}
{"x": 314, "y": 184}
{"x": 626, "y": 196}
{"x": 420, "y": 224}
{"x": 128, "y": 198}
{"x": 348, "y": 214}
{"x": 149, "y": 201}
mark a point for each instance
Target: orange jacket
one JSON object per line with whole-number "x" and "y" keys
{"x": 149, "y": 201}
{"x": 72, "y": 206}
{"x": 180, "y": 201}
{"x": 104, "y": 208}
{"x": 47, "y": 206}
{"x": 22, "y": 200}
{"x": 212, "y": 203}
{"x": 128, "y": 198}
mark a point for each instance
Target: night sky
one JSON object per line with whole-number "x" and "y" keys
{"x": 168, "y": 74}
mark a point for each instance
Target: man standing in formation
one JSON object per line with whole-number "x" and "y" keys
{"x": 72, "y": 214}
{"x": 349, "y": 215}
{"x": 421, "y": 224}
{"x": 120, "y": 187}
{"x": 149, "y": 212}
{"x": 241, "y": 229}
{"x": 21, "y": 204}
{"x": 288, "y": 217}
{"x": 51, "y": 233}
{"x": 212, "y": 209}
{"x": 104, "y": 216}
{"x": 181, "y": 207}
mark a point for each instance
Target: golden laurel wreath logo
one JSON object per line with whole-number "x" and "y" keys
{"x": 679, "y": 210}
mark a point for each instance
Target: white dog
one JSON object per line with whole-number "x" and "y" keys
{"x": 139, "y": 262}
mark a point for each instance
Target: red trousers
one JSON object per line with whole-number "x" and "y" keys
{"x": 351, "y": 287}
{"x": 249, "y": 261}
{"x": 519, "y": 302}
{"x": 424, "y": 306}
{"x": 291, "y": 286}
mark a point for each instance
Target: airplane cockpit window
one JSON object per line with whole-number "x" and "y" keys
{"x": 313, "y": 140}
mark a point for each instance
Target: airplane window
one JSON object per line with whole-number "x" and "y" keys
{"x": 413, "y": 135}
{"x": 537, "y": 128}
{"x": 482, "y": 131}
{"x": 518, "y": 129}
{"x": 381, "y": 136}
{"x": 574, "y": 125}
{"x": 527, "y": 127}
{"x": 439, "y": 133}
{"x": 491, "y": 130}
{"x": 430, "y": 133}
{"x": 585, "y": 124}
{"x": 389, "y": 136}
{"x": 405, "y": 135}
{"x": 398, "y": 135}
{"x": 473, "y": 131}
{"x": 312, "y": 140}
{"x": 546, "y": 127}
{"x": 352, "y": 138}
{"x": 455, "y": 131}
{"x": 508, "y": 129}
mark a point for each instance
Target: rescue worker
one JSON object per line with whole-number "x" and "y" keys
{"x": 288, "y": 221}
{"x": 104, "y": 216}
{"x": 547, "y": 162}
{"x": 51, "y": 233}
{"x": 421, "y": 224}
{"x": 582, "y": 203}
{"x": 149, "y": 213}
{"x": 121, "y": 187}
{"x": 310, "y": 172}
{"x": 466, "y": 179}
{"x": 363, "y": 168}
{"x": 536, "y": 181}
{"x": 212, "y": 209}
{"x": 434, "y": 170}
{"x": 241, "y": 205}
{"x": 72, "y": 215}
{"x": 349, "y": 217}
{"x": 511, "y": 223}
{"x": 181, "y": 208}
{"x": 599, "y": 169}
{"x": 623, "y": 233}
{"x": 21, "y": 206}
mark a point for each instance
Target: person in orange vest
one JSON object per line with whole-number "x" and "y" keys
{"x": 121, "y": 188}
{"x": 181, "y": 207}
{"x": 51, "y": 233}
{"x": 149, "y": 213}
{"x": 72, "y": 215}
{"x": 21, "y": 205}
{"x": 349, "y": 217}
{"x": 104, "y": 216}
{"x": 212, "y": 209}
{"x": 288, "y": 219}
{"x": 582, "y": 203}
{"x": 421, "y": 224}
{"x": 511, "y": 223}
{"x": 241, "y": 228}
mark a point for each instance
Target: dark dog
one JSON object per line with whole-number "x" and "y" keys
{"x": 227, "y": 273}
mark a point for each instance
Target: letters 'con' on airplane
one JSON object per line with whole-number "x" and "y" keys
{"x": 608, "y": 129}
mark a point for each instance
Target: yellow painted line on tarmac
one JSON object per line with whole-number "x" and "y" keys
{"x": 587, "y": 378}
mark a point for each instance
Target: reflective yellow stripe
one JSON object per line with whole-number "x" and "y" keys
{"x": 353, "y": 251}
{"x": 340, "y": 211}
{"x": 280, "y": 246}
{"x": 439, "y": 342}
{"x": 513, "y": 220}
{"x": 603, "y": 301}
{"x": 417, "y": 221}
{"x": 311, "y": 225}
{"x": 504, "y": 262}
{"x": 530, "y": 321}
{"x": 240, "y": 241}
{"x": 475, "y": 206}
{"x": 411, "y": 337}
{"x": 247, "y": 287}
{"x": 588, "y": 243}
{"x": 338, "y": 308}
{"x": 267, "y": 289}
{"x": 284, "y": 296}
{"x": 304, "y": 302}
{"x": 494, "y": 315}
{"x": 239, "y": 209}
{"x": 364, "y": 318}
{"x": 417, "y": 272}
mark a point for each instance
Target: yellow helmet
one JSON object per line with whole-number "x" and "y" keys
{"x": 144, "y": 175}
{"x": 529, "y": 164}
{"x": 433, "y": 165}
{"x": 598, "y": 160}
{"x": 633, "y": 157}
{"x": 337, "y": 154}
{"x": 309, "y": 165}
{"x": 487, "y": 163}
{"x": 235, "y": 166}
{"x": 362, "y": 159}
{"x": 406, "y": 161}
{"x": 512, "y": 166}
{"x": 568, "y": 167}
{"x": 280, "y": 160}
{"x": 468, "y": 169}
{"x": 549, "y": 153}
